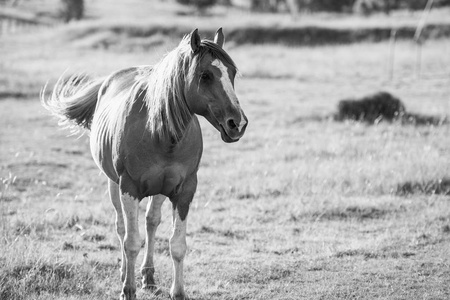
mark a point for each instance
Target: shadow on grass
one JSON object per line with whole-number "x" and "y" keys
{"x": 372, "y": 254}
{"x": 16, "y": 95}
{"x": 261, "y": 274}
{"x": 342, "y": 214}
{"x": 432, "y": 187}
{"x": 405, "y": 119}
{"x": 232, "y": 234}
{"x": 423, "y": 120}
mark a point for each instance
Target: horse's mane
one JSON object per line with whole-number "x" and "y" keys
{"x": 168, "y": 113}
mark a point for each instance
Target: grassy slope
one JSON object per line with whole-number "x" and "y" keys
{"x": 299, "y": 209}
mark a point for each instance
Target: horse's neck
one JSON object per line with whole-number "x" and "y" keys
{"x": 170, "y": 115}
{"x": 181, "y": 128}
{"x": 185, "y": 140}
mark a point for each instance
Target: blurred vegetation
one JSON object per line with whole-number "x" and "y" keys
{"x": 357, "y": 6}
{"x": 75, "y": 9}
{"x": 367, "y": 7}
{"x": 72, "y": 10}
{"x": 200, "y": 5}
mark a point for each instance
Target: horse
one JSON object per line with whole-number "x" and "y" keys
{"x": 146, "y": 138}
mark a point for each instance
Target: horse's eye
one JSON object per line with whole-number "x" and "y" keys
{"x": 206, "y": 76}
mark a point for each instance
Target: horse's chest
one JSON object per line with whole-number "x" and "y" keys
{"x": 159, "y": 172}
{"x": 160, "y": 177}
{"x": 162, "y": 168}
{"x": 167, "y": 180}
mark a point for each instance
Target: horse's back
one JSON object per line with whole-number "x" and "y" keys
{"x": 121, "y": 82}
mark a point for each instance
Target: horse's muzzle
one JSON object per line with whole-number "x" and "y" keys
{"x": 233, "y": 131}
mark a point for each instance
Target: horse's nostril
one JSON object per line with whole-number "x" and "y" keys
{"x": 231, "y": 124}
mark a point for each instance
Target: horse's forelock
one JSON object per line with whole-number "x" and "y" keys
{"x": 207, "y": 46}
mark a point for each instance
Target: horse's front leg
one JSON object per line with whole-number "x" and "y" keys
{"x": 178, "y": 246}
{"x": 132, "y": 240}
{"x": 153, "y": 218}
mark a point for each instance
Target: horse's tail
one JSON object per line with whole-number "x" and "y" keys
{"x": 73, "y": 100}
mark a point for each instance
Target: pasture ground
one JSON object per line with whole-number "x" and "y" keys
{"x": 301, "y": 208}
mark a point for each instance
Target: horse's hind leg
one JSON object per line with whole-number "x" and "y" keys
{"x": 114, "y": 194}
{"x": 153, "y": 218}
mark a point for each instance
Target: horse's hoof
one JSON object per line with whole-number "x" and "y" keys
{"x": 128, "y": 294}
{"x": 127, "y": 297}
{"x": 178, "y": 297}
{"x": 148, "y": 282}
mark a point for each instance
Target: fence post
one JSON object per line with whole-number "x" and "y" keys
{"x": 418, "y": 66}
{"x": 418, "y": 37}
{"x": 391, "y": 62}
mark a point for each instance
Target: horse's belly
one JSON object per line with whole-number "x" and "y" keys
{"x": 104, "y": 161}
{"x": 102, "y": 151}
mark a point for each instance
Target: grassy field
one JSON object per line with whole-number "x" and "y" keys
{"x": 303, "y": 207}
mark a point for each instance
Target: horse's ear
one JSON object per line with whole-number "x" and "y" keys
{"x": 195, "y": 40}
{"x": 219, "y": 38}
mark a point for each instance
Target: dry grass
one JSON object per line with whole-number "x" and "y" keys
{"x": 302, "y": 208}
